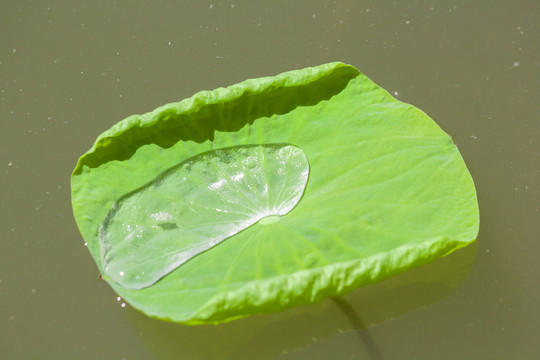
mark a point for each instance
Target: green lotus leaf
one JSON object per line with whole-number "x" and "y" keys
{"x": 270, "y": 193}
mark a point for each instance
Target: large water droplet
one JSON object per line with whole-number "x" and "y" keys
{"x": 197, "y": 204}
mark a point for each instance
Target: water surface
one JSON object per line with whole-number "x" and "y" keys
{"x": 69, "y": 70}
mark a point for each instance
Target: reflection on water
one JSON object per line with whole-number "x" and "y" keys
{"x": 294, "y": 333}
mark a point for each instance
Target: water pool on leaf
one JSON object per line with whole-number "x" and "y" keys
{"x": 197, "y": 204}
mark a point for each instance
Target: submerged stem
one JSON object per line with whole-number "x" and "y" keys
{"x": 358, "y": 325}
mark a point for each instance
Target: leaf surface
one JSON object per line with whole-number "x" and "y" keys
{"x": 387, "y": 191}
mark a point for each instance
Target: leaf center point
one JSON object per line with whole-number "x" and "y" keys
{"x": 269, "y": 219}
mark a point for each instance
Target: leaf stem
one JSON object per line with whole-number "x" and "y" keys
{"x": 360, "y": 327}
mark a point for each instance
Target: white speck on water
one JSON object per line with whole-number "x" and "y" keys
{"x": 407, "y": 22}
{"x": 121, "y": 273}
{"x": 233, "y": 6}
{"x": 118, "y": 298}
{"x": 396, "y": 93}
{"x": 86, "y": 244}
{"x": 123, "y": 305}
{"x": 169, "y": 43}
{"x": 515, "y": 64}
{"x": 474, "y": 137}
{"x": 211, "y": 6}
{"x": 33, "y": 290}
{"x": 14, "y": 51}
{"x": 313, "y": 16}
{"x": 10, "y": 163}
{"x": 121, "y": 95}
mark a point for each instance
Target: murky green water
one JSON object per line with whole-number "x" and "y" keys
{"x": 70, "y": 70}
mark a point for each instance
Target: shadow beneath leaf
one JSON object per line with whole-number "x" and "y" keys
{"x": 300, "y": 332}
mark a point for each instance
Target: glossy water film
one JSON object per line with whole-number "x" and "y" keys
{"x": 196, "y": 205}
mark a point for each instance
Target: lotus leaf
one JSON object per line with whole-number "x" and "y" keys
{"x": 270, "y": 193}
